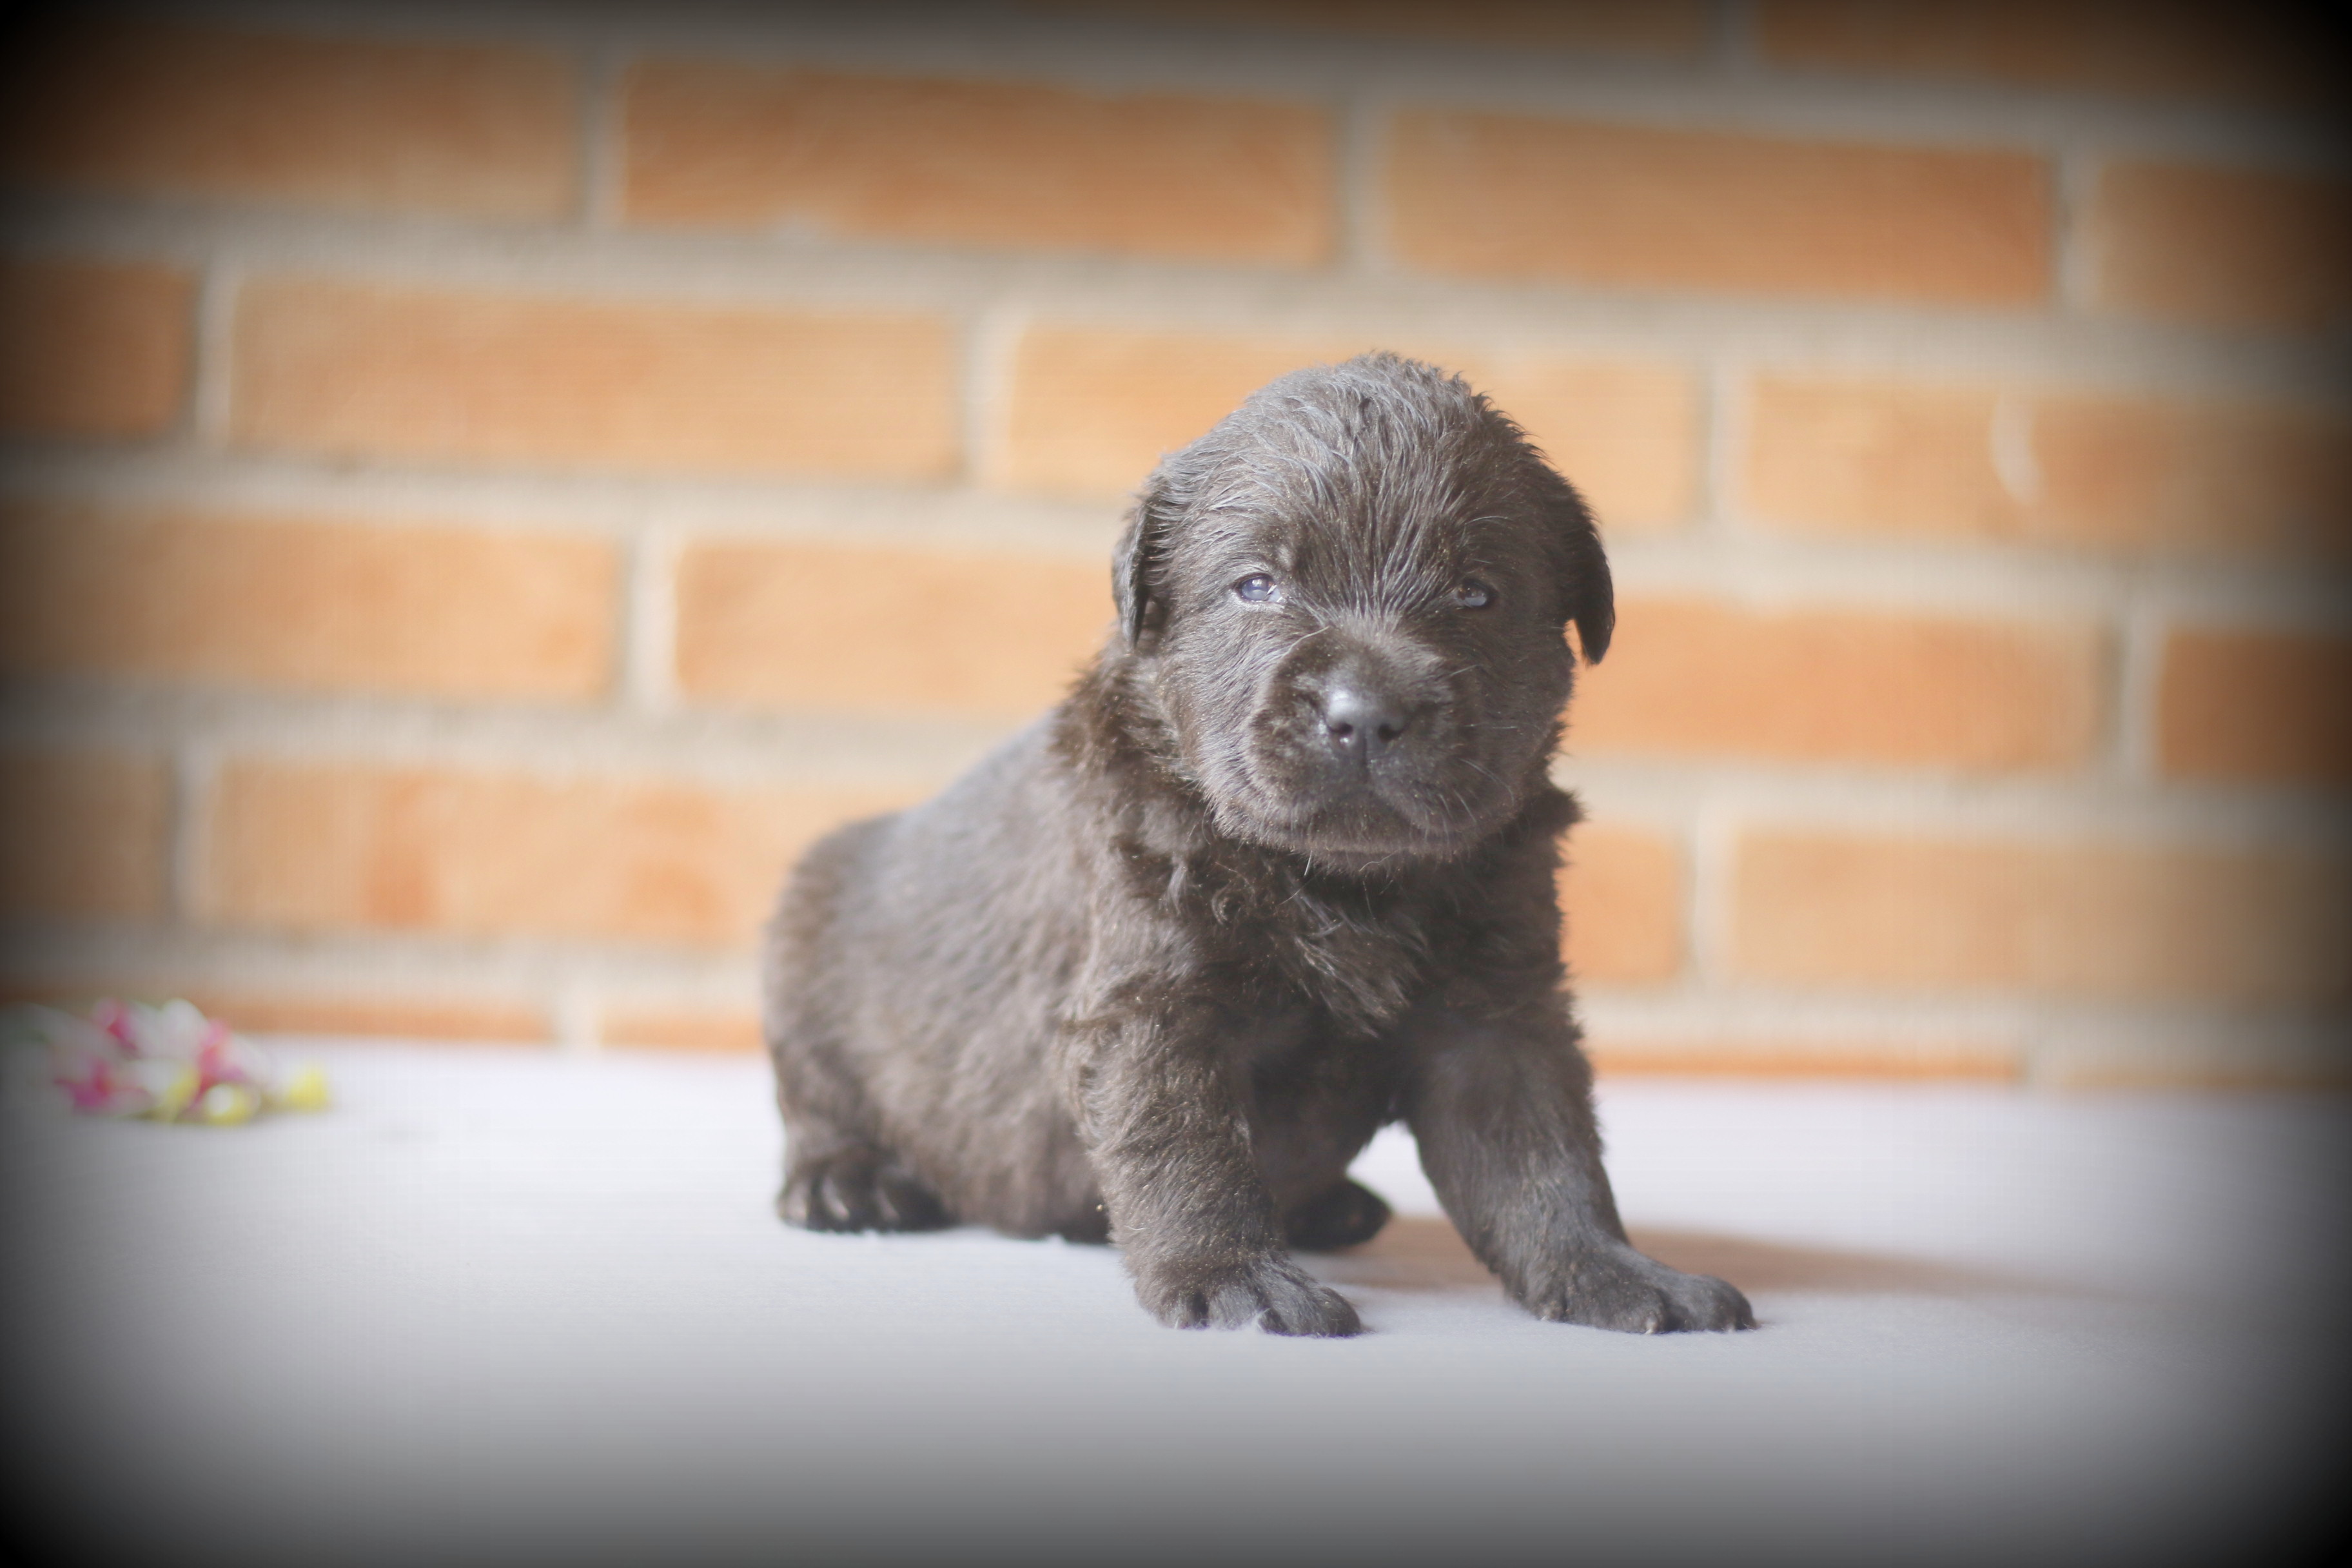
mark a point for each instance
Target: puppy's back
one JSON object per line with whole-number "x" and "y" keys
{"x": 916, "y": 967}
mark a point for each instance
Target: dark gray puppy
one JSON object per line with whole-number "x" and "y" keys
{"x": 1277, "y": 872}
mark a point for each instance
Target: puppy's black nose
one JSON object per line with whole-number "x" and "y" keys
{"x": 1362, "y": 724}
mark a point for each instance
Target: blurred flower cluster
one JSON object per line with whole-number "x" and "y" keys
{"x": 169, "y": 1063}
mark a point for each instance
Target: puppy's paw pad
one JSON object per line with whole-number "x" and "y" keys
{"x": 859, "y": 1189}
{"x": 1273, "y": 1295}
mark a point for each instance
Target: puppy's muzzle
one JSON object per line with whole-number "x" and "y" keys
{"x": 1362, "y": 722}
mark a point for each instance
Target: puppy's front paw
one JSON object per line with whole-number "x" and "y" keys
{"x": 1270, "y": 1292}
{"x": 1618, "y": 1288}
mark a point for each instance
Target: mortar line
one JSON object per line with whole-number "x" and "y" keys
{"x": 602, "y": 152}
{"x": 2135, "y": 663}
{"x": 647, "y": 677}
{"x": 195, "y": 788}
{"x": 575, "y": 1014}
{"x": 2073, "y": 245}
{"x": 211, "y": 395}
{"x": 1711, "y": 841}
{"x": 2093, "y": 351}
{"x": 1724, "y": 434}
{"x": 1363, "y": 214}
{"x": 992, "y": 346}
{"x": 1732, "y": 46}
{"x": 1044, "y": 49}
{"x": 728, "y": 751}
{"x": 1689, "y": 970}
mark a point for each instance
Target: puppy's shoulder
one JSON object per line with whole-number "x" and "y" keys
{"x": 1013, "y": 802}
{"x": 1115, "y": 760}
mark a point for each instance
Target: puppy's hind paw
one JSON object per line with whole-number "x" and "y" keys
{"x": 1347, "y": 1215}
{"x": 859, "y": 1189}
{"x": 1271, "y": 1293}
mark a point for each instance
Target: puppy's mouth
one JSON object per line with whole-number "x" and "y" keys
{"x": 1313, "y": 780}
{"x": 1353, "y": 836}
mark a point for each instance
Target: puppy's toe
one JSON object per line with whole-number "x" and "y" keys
{"x": 1707, "y": 1304}
{"x": 1311, "y": 1311}
{"x": 1625, "y": 1291}
{"x": 859, "y": 1189}
{"x": 1271, "y": 1293}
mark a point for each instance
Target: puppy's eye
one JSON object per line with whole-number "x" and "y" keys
{"x": 1473, "y": 595}
{"x": 1257, "y": 589}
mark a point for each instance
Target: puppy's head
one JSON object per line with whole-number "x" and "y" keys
{"x": 1350, "y": 597}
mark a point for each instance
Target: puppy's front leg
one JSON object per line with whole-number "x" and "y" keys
{"x": 1503, "y": 1111}
{"x": 1170, "y": 1139}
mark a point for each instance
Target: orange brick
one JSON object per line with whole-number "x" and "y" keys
{"x": 2198, "y": 1071}
{"x": 2169, "y": 49}
{"x": 1981, "y": 1061}
{"x": 313, "y": 846}
{"x": 382, "y": 1017}
{"x": 990, "y": 164}
{"x": 1847, "y": 455}
{"x": 1503, "y": 195}
{"x": 157, "y": 108}
{"x": 1091, "y": 410}
{"x": 2256, "y": 708}
{"x": 82, "y": 835}
{"x": 821, "y": 627}
{"x": 1629, "y": 435}
{"x": 733, "y": 1031}
{"x": 355, "y": 370}
{"x": 1858, "y": 456}
{"x": 1670, "y": 29}
{"x": 1697, "y": 678}
{"x": 275, "y": 1013}
{"x": 2072, "y": 920}
{"x": 1622, "y": 897}
{"x": 2229, "y": 248}
{"x": 2267, "y": 480}
{"x": 305, "y": 603}
{"x": 93, "y": 348}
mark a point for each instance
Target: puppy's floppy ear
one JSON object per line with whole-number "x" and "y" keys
{"x": 1585, "y": 587}
{"x": 1135, "y": 567}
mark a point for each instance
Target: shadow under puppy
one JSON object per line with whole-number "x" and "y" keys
{"x": 1279, "y": 871}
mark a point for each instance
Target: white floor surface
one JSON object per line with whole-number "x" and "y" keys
{"x": 499, "y": 1307}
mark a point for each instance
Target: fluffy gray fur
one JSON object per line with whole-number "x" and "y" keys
{"x": 1279, "y": 871}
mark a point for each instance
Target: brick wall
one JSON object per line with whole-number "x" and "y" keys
{"x": 483, "y": 485}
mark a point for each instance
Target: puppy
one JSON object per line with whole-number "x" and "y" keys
{"x": 1277, "y": 872}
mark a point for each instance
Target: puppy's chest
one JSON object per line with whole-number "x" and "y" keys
{"x": 1358, "y": 952}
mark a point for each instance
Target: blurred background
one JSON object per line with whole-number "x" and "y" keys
{"x": 484, "y": 484}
